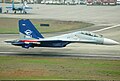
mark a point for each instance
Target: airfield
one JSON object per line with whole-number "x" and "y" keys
{"x": 101, "y": 16}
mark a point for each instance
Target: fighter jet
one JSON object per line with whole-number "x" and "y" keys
{"x": 22, "y": 9}
{"x": 31, "y": 37}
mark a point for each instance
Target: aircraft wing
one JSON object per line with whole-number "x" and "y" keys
{"x": 70, "y": 37}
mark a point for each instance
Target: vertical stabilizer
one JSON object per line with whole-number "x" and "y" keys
{"x": 13, "y": 4}
{"x": 25, "y": 4}
{"x": 28, "y": 31}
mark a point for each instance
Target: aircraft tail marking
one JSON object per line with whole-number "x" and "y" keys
{"x": 28, "y": 31}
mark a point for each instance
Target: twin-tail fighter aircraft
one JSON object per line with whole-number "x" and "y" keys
{"x": 30, "y": 37}
{"x": 22, "y": 9}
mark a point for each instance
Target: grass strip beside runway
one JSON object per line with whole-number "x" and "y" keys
{"x": 58, "y": 68}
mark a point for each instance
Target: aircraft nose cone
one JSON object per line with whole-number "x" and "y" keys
{"x": 110, "y": 42}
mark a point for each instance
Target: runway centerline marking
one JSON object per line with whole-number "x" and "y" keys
{"x": 107, "y": 28}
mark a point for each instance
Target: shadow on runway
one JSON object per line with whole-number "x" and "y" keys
{"x": 44, "y": 54}
{"x": 60, "y": 55}
{"x": 41, "y": 54}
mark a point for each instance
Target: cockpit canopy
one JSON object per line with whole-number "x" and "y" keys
{"x": 90, "y": 34}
